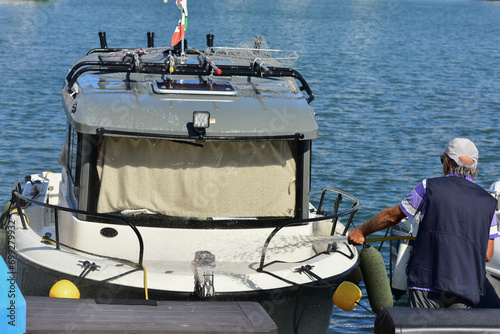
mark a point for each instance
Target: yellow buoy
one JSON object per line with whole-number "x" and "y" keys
{"x": 346, "y": 296}
{"x": 64, "y": 289}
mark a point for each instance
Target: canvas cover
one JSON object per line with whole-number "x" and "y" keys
{"x": 210, "y": 179}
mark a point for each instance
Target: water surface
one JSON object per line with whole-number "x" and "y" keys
{"x": 394, "y": 82}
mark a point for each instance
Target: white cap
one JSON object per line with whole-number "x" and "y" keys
{"x": 462, "y": 147}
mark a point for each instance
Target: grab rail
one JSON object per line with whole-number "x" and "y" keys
{"x": 18, "y": 196}
{"x": 333, "y": 217}
{"x": 183, "y": 69}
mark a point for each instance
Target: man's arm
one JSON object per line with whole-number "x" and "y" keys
{"x": 491, "y": 248}
{"x": 384, "y": 219}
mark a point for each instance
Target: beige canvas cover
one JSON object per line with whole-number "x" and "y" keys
{"x": 213, "y": 179}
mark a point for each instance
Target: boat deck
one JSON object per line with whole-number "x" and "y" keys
{"x": 54, "y": 315}
{"x": 403, "y": 320}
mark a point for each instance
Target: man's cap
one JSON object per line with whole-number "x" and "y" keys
{"x": 462, "y": 147}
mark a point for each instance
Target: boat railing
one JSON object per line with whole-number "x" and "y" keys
{"x": 21, "y": 201}
{"x": 333, "y": 217}
{"x": 336, "y": 206}
{"x": 134, "y": 64}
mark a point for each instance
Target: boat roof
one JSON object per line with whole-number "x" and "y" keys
{"x": 155, "y": 91}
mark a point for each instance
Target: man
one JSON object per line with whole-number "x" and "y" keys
{"x": 455, "y": 236}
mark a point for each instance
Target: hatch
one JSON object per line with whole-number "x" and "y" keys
{"x": 202, "y": 87}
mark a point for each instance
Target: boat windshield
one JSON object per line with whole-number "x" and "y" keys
{"x": 216, "y": 180}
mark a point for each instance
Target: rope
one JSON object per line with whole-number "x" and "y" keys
{"x": 24, "y": 214}
{"x": 87, "y": 268}
{"x": 145, "y": 282}
{"x": 402, "y": 237}
{"x": 312, "y": 276}
{"x": 307, "y": 269}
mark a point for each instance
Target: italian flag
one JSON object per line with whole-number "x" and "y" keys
{"x": 180, "y": 30}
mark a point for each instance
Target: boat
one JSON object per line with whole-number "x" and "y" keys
{"x": 492, "y": 297}
{"x": 186, "y": 175}
{"x": 494, "y": 265}
{"x": 401, "y": 238}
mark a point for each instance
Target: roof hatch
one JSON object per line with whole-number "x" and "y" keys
{"x": 202, "y": 87}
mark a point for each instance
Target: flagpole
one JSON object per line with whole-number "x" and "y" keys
{"x": 183, "y": 54}
{"x": 182, "y": 4}
{"x": 180, "y": 30}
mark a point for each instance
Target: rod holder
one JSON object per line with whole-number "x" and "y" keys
{"x": 151, "y": 39}
{"x": 210, "y": 41}
{"x": 102, "y": 39}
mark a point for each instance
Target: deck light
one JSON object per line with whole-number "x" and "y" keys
{"x": 201, "y": 120}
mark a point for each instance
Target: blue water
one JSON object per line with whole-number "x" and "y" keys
{"x": 394, "y": 81}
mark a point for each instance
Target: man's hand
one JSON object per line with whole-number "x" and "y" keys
{"x": 356, "y": 237}
{"x": 384, "y": 219}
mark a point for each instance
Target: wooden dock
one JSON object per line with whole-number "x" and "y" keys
{"x": 54, "y": 315}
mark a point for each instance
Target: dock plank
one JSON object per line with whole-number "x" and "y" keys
{"x": 54, "y": 315}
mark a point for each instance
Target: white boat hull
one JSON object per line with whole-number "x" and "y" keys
{"x": 280, "y": 283}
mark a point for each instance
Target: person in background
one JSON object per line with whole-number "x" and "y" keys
{"x": 447, "y": 266}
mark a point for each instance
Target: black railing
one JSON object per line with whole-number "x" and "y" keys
{"x": 205, "y": 68}
{"x": 19, "y": 198}
{"x": 333, "y": 217}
